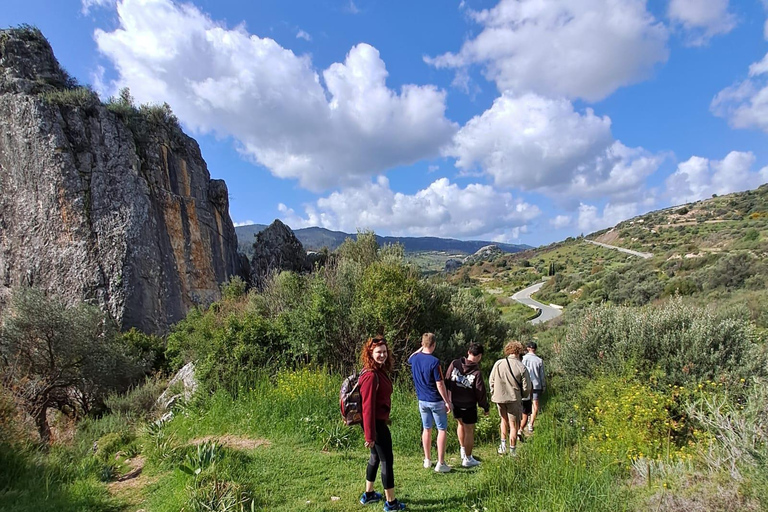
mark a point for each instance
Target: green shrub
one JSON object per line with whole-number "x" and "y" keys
{"x": 78, "y": 97}
{"x": 676, "y": 341}
{"x": 227, "y": 347}
{"x": 234, "y": 288}
{"x": 139, "y": 401}
{"x": 628, "y": 420}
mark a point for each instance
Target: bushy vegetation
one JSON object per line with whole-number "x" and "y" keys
{"x": 676, "y": 343}
{"x": 321, "y": 318}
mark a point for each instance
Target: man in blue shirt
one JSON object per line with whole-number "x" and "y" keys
{"x": 434, "y": 400}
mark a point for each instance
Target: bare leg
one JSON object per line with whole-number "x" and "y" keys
{"x": 513, "y": 426}
{"x": 426, "y": 442}
{"x": 534, "y": 412}
{"x": 469, "y": 439}
{"x": 460, "y": 433}
{"x": 504, "y": 427}
{"x": 368, "y": 486}
{"x": 389, "y": 494}
{"x": 442, "y": 437}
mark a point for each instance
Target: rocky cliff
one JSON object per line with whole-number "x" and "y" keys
{"x": 113, "y": 205}
{"x": 276, "y": 248}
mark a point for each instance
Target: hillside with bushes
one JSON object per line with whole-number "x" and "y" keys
{"x": 655, "y": 401}
{"x": 713, "y": 251}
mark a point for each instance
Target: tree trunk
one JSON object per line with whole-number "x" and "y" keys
{"x": 41, "y": 420}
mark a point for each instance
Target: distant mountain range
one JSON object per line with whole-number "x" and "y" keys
{"x": 314, "y": 239}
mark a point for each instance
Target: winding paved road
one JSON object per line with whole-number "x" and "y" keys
{"x": 547, "y": 312}
{"x": 644, "y": 255}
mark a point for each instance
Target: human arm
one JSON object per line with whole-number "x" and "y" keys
{"x": 445, "y": 394}
{"x": 480, "y": 393}
{"x": 368, "y": 388}
{"x": 527, "y": 386}
{"x": 493, "y": 377}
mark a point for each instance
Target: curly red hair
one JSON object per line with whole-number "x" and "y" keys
{"x": 366, "y": 357}
{"x": 514, "y": 347}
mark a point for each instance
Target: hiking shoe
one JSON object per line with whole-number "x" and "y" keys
{"x": 427, "y": 463}
{"x": 370, "y": 498}
{"x": 395, "y": 505}
{"x": 502, "y": 449}
{"x": 470, "y": 462}
{"x": 442, "y": 468}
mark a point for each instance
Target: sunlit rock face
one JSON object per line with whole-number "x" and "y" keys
{"x": 115, "y": 207}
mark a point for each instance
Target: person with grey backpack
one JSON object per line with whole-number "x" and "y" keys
{"x": 510, "y": 382}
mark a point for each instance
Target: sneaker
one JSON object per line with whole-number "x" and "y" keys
{"x": 530, "y": 429}
{"x": 395, "y": 505}
{"x": 470, "y": 462}
{"x": 427, "y": 463}
{"x": 512, "y": 451}
{"x": 367, "y": 498}
{"x": 442, "y": 468}
{"x": 502, "y": 449}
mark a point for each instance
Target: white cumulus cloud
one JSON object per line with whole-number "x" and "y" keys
{"x": 575, "y": 48}
{"x": 699, "y": 178}
{"x": 535, "y": 143}
{"x": 441, "y": 209}
{"x": 561, "y": 221}
{"x": 701, "y": 19}
{"x": 337, "y": 130}
{"x": 591, "y": 220}
{"x": 745, "y": 104}
{"x": 87, "y": 5}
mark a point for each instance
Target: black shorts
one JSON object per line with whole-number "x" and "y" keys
{"x": 467, "y": 415}
{"x": 527, "y": 406}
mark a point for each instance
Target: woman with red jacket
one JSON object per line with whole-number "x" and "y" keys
{"x": 376, "y": 393}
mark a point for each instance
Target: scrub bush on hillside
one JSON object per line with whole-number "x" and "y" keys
{"x": 675, "y": 341}
{"x": 322, "y": 317}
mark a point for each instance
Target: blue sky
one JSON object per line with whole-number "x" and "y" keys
{"x": 523, "y": 121}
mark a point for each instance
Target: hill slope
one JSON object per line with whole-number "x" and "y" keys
{"x": 715, "y": 250}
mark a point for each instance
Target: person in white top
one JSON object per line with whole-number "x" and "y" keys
{"x": 535, "y": 367}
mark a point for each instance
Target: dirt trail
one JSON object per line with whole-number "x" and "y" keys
{"x": 234, "y": 442}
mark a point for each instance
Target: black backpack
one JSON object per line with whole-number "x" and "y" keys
{"x": 350, "y": 399}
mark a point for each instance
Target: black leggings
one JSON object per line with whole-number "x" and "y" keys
{"x": 381, "y": 452}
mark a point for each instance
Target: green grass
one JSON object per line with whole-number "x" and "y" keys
{"x": 293, "y": 472}
{"x": 297, "y": 413}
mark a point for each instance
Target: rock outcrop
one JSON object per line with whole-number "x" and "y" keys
{"x": 111, "y": 205}
{"x": 487, "y": 253}
{"x": 452, "y": 265}
{"x": 276, "y": 248}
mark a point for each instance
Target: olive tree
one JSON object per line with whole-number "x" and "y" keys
{"x": 59, "y": 357}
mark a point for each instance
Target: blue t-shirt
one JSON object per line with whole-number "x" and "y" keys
{"x": 426, "y": 374}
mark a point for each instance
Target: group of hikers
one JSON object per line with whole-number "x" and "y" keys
{"x": 516, "y": 383}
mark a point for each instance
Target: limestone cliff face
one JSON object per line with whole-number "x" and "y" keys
{"x": 109, "y": 207}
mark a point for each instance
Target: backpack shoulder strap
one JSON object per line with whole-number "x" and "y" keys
{"x": 519, "y": 384}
